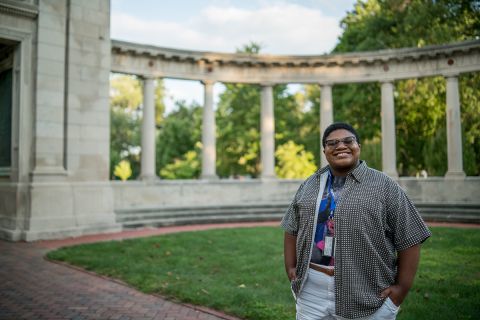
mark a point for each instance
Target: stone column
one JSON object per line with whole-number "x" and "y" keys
{"x": 454, "y": 130}
{"x": 51, "y": 94}
{"x": 267, "y": 133}
{"x": 389, "y": 155}
{"x": 208, "y": 134}
{"x": 147, "y": 169}
{"x": 326, "y": 115}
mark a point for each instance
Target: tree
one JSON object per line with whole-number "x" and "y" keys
{"x": 123, "y": 170}
{"x": 125, "y": 121}
{"x": 185, "y": 167}
{"x": 126, "y": 100}
{"x": 293, "y": 162}
{"x": 238, "y": 124}
{"x": 419, "y": 103}
{"x": 179, "y": 133}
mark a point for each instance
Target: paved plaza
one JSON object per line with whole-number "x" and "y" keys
{"x": 35, "y": 289}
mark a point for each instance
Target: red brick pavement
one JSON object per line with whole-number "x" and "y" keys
{"x": 33, "y": 288}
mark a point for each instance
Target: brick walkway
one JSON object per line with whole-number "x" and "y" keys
{"x": 33, "y": 288}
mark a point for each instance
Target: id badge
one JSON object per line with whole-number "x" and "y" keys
{"x": 329, "y": 249}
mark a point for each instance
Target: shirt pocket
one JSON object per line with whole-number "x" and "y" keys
{"x": 365, "y": 212}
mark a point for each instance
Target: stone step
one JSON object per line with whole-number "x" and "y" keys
{"x": 463, "y": 207}
{"x": 450, "y": 212}
{"x": 166, "y": 216}
{"x": 191, "y": 212}
{"x": 163, "y": 222}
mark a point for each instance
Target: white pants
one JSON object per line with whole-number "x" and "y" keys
{"x": 317, "y": 300}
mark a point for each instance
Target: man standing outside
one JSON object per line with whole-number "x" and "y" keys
{"x": 352, "y": 237}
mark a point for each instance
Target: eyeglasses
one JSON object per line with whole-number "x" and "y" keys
{"x": 348, "y": 141}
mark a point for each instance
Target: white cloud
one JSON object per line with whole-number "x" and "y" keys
{"x": 280, "y": 28}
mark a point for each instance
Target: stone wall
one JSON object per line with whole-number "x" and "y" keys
{"x": 190, "y": 193}
{"x": 58, "y": 184}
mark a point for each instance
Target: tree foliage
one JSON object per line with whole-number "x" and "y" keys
{"x": 238, "y": 123}
{"x": 419, "y": 103}
{"x": 293, "y": 162}
{"x": 186, "y": 167}
{"x": 126, "y": 100}
{"x": 123, "y": 170}
{"x": 371, "y": 25}
{"x": 178, "y": 134}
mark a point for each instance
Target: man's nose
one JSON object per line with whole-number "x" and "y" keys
{"x": 341, "y": 143}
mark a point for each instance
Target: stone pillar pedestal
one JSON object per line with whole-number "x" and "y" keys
{"x": 147, "y": 169}
{"x": 326, "y": 115}
{"x": 267, "y": 133}
{"x": 389, "y": 152}
{"x": 209, "y": 154}
{"x": 454, "y": 130}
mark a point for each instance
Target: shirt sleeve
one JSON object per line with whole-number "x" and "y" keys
{"x": 404, "y": 220}
{"x": 290, "y": 219}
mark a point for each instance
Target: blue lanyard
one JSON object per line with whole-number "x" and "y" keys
{"x": 333, "y": 204}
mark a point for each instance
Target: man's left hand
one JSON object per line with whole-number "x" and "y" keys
{"x": 396, "y": 293}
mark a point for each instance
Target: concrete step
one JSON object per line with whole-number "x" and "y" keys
{"x": 200, "y": 220}
{"x": 167, "y": 216}
{"x": 160, "y": 213}
{"x": 450, "y": 212}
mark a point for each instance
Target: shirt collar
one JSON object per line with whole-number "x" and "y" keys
{"x": 357, "y": 173}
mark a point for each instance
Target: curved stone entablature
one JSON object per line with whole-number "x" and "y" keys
{"x": 383, "y": 65}
{"x": 19, "y": 8}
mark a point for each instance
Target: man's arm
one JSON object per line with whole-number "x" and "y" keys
{"x": 407, "y": 267}
{"x": 290, "y": 255}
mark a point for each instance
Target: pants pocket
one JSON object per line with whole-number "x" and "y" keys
{"x": 388, "y": 311}
{"x": 394, "y": 308}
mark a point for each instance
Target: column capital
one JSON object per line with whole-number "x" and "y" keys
{"x": 448, "y": 75}
{"x": 148, "y": 77}
{"x": 326, "y": 84}
{"x": 267, "y": 84}
{"x": 387, "y": 80}
{"x": 207, "y": 82}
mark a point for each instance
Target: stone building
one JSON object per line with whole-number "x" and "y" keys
{"x": 55, "y": 61}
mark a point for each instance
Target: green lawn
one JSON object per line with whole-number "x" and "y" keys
{"x": 240, "y": 271}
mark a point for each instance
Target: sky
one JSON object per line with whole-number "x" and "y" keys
{"x": 296, "y": 27}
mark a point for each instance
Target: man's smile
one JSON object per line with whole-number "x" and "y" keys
{"x": 342, "y": 154}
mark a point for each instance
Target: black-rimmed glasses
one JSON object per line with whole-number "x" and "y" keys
{"x": 348, "y": 141}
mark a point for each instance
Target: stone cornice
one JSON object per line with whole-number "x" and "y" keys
{"x": 264, "y": 60}
{"x": 355, "y": 67}
{"x": 18, "y": 8}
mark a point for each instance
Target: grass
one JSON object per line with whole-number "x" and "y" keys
{"x": 240, "y": 271}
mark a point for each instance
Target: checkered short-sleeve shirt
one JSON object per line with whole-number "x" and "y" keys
{"x": 374, "y": 219}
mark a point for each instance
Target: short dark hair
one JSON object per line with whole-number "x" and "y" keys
{"x": 337, "y": 126}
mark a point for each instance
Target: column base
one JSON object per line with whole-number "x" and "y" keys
{"x": 209, "y": 177}
{"x": 49, "y": 174}
{"x": 149, "y": 178}
{"x": 268, "y": 178}
{"x": 392, "y": 174}
{"x": 455, "y": 175}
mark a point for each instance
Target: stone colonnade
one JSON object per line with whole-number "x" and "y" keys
{"x": 454, "y": 132}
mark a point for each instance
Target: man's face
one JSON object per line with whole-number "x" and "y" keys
{"x": 344, "y": 155}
